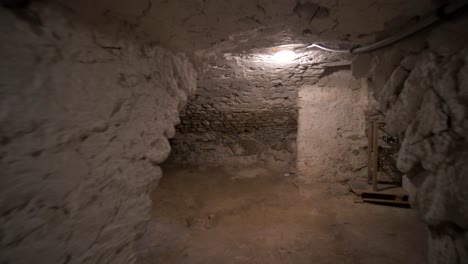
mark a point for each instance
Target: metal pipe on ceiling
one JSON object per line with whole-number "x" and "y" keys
{"x": 440, "y": 14}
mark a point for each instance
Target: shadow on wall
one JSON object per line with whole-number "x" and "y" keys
{"x": 233, "y": 149}
{"x": 239, "y": 121}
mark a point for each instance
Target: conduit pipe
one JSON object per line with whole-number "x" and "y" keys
{"x": 441, "y": 13}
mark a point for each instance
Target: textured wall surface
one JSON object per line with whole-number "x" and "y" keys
{"x": 238, "y": 121}
{"x": 331, "y": 138}
{"x": 84, "y": 123}
{"x": 422, "y": 87}
{"x": 200, "y": 24}
{"x": 85, "y": 116}
{"x": 246, "y": 112}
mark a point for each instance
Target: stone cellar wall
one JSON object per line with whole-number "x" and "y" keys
{"x": 421, "y": 85}
{"x": 244, "y": 114}
{"x": 84, "y": 122}
{"x": 238, "y": 121}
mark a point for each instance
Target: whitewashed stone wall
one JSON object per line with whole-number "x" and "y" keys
{"x": 84, "y": 122}
{"x": 331, "y": 141}
{"x": 421, "y": 85}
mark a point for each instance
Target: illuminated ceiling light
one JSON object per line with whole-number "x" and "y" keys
{"x": 284, "y": 56}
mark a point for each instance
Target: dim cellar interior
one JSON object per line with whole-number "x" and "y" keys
{"x": 234, "y": 131}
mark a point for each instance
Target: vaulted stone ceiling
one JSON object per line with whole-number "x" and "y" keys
{"x": 240, "y": 25}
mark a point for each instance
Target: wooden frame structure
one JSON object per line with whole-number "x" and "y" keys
{"x": 373, "y": 154}
{"x": 376, "y": 190}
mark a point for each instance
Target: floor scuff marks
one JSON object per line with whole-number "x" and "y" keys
{"x": 220, "y": 215}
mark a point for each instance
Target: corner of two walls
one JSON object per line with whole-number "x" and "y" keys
{"x": 421, "y": 85}
{"x": 306, "y": 119}
{"x": 84, "y": 123}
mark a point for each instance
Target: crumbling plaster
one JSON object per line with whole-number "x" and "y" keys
{"x": 84, "y": 123}
{"x": 332, "y": 144}
{"x": 421, "y": 86}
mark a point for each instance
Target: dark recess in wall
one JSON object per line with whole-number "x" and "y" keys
{"x": 21, "y": 9}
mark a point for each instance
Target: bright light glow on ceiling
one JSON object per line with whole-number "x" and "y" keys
{"x": 284, "y": 56}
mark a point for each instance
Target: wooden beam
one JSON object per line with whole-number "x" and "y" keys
{"x": 375, "y": 153}
{"x": 370, "y": 132}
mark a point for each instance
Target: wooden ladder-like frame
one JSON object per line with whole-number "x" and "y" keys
{"x": 373, "y": 153}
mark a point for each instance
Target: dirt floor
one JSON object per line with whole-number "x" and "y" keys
{"x": 254, "y": 215}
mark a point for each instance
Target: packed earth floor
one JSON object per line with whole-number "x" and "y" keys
{"x": 256, "y": 215}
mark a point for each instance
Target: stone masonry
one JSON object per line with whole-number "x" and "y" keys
{"x": 246, "y": 112}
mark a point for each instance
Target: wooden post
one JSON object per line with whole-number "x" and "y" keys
{"x": 375, "y": 152}
{"x": 370, "y": 133}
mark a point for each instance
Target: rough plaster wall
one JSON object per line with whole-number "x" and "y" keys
{"x": 422, "y": 87}
{"x": 84, "y": 123}
{"x": 331, "y": 136}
